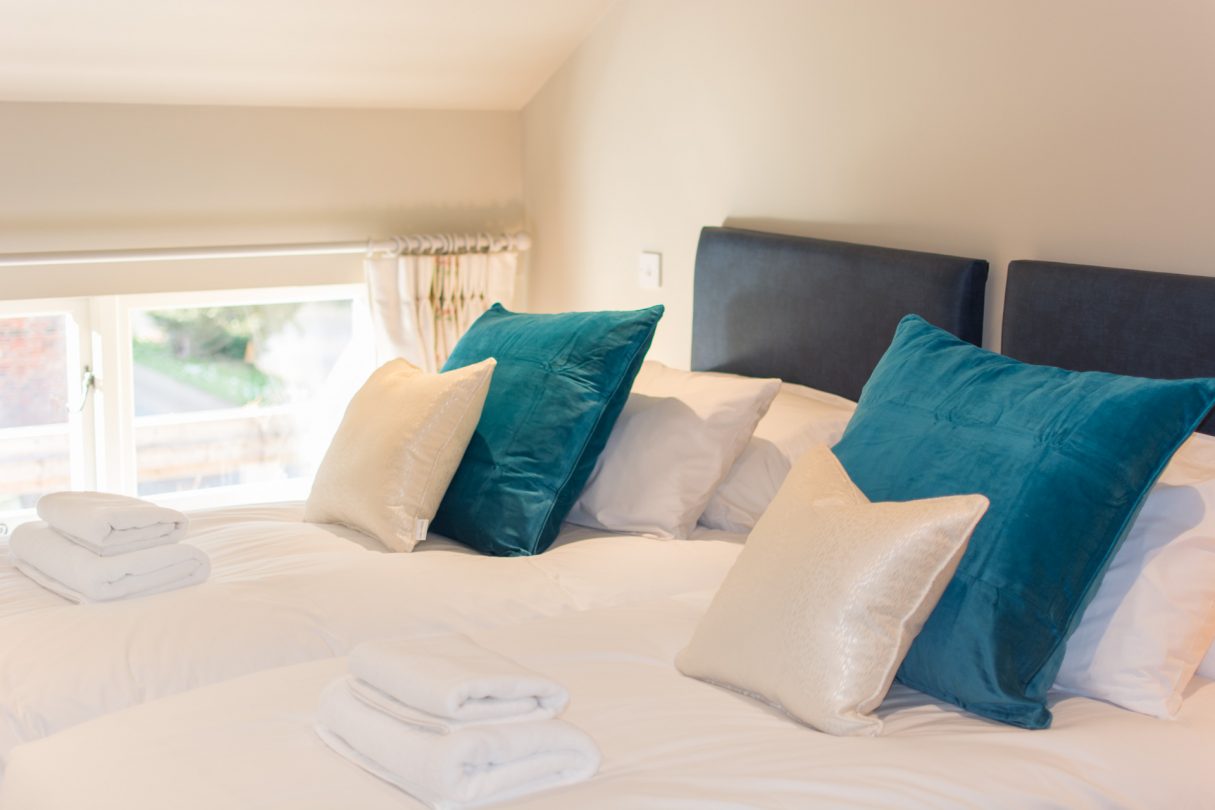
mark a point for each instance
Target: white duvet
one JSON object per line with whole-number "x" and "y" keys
{"x": 667, "y": 741}
{"x": 283, "y": 592}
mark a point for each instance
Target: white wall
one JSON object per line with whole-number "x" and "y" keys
{"x": 1079, "y": 131}
{"x": 83, "y": 176}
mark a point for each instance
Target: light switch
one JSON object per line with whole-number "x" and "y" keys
{"x": 649, "y": 271}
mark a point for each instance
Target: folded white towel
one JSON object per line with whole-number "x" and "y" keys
{"x": 108, "y": 524}
{"x": 60, "y": 565}
{"x": 432, "y": 722}
{"x": 455, "y": 678}
{"x": 475, "y": 766}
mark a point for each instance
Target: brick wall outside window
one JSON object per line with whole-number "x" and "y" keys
{"x": 33, "y": 376}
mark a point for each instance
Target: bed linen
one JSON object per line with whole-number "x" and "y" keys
{"x": 667, "y": 741}
{"x": 282, "y": 592}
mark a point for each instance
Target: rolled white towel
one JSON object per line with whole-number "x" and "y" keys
{"x": 109, "y": 524}
{"x": 454, "y": 678}
{"x": 60, "y": 565}
{"x": 471, "y": 767}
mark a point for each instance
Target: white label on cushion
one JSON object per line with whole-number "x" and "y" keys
{"x": 420, "y": 527}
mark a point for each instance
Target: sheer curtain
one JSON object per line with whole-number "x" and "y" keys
{"x": 421, "y": 304}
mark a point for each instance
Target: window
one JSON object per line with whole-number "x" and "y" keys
{"x": 44, "y": 441}
{"x": 201, "y": 398}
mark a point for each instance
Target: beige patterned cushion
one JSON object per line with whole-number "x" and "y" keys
{"x": 827, "y": 596}
{"x": 397, "y": 449}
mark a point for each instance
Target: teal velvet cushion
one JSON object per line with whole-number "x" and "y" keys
{"x": 560, "y": 383}
{"x": 1066, "y": 458}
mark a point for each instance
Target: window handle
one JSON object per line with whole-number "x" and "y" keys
{"x": 88, "y": 381}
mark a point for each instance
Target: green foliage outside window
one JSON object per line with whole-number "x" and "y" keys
{"x": 215, "y": 349}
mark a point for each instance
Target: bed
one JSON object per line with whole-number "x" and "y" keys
{"x": 668, "y": 741}
{"x": 284, "y": 592}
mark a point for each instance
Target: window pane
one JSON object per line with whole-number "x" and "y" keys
{"x": 35, "y": 446}
{"x": 235, "y": 395}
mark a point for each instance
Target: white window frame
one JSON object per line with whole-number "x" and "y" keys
{"x": 102, "y": 428}
{"x": 116, "y": 404}
{"x": 79, "y": 346}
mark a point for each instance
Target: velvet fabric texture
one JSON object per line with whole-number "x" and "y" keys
{"x": 560, "y": 383}
{"x": 1066, "y": 459}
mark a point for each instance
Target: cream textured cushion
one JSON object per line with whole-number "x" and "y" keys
{"x": 828, "y": 594}
{"x": 397, "y": 449}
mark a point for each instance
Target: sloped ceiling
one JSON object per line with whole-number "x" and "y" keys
{"x": 422, "y": 54}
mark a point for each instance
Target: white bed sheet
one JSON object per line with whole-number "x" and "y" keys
{"x": 668, "y": 741}
{"x": 283, "y": 591}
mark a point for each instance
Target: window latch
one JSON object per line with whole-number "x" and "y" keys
{"x": 88, "y": 381}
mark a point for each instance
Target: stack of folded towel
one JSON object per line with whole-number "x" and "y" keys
{"x": 453, "y": 724}
{"x": 98, "y": 547}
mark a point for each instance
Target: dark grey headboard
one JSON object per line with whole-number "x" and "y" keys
{"x": 1088, "y": 318}
{"x": 816, "y": 312}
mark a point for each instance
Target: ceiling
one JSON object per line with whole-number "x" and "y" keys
{"x": 422, "y": 54}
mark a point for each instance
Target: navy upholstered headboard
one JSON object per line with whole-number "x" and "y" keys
{"x": 816, "y": 312}
{"x": 1088, "y": 318}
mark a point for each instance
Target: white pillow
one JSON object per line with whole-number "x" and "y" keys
{"x": 800, "y": 418}
{"x": 396, "y": 450}
{"x": 1153, "y": 617}
{"x": 675, "y": 440}
{"x": 826, "y": 597}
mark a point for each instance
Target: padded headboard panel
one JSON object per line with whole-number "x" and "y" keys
{"x": 1088, "y": 318}
{"x": 820, "y": 313}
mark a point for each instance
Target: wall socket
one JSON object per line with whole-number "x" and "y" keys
{"x": 649, "y": 271}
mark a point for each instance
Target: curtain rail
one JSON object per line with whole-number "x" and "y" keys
{"x": 424, "y": 244}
